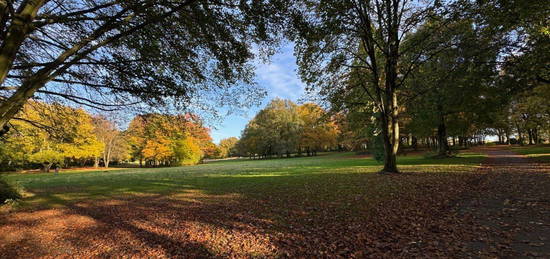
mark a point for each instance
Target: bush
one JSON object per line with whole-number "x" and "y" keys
{"x": 7, "y": 192}
{"x": 377, "y": 148}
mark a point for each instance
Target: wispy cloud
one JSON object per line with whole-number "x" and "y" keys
{"x": 279, "y": 76}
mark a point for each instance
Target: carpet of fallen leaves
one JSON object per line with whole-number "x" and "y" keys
{"x": 500, "y": 210}
{"x": 511, "y": 208}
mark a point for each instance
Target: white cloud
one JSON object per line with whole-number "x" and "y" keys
{"x": 279, "y": 77}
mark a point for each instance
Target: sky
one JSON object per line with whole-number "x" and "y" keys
{"x": 279, "y": 78}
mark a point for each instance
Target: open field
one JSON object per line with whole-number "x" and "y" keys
{"x": 252, "y": 178}
{"x": 331, "y": 205}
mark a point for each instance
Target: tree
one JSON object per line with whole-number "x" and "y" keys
{"x": 112, "y": 139}
{"x": 228, "y": 147}
{"x": 275, "y": 130}
{"x": 283, "y": 127}
{"x": 47, "y": 158}
{"x": 318, "y": 131}
{"x": 525, "y": 26}
{"x": 109, "y": 54}
{"x": 459, "y": 79}
{"x": 187, "y": 151}
{"x": 51, "y": 133}
{"x": 157, "y": 139}
{"x": 530, "y": 114}
{"x": 343, "y": 45}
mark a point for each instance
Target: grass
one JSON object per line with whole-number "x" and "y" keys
{"x": 297, "y": 207}
{"x": 540, "y": 153}
{"x": 330, "y": 177}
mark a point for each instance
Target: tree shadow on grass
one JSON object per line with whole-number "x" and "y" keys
{"x": 311, "y": 215}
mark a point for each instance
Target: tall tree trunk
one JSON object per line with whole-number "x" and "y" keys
{"x": 16, "y": 34}
{"x": 390, "y": 145}
{"x": 107, "y": 154}
{"x": 18, "y": 30}
{"x": 443, "y": 147}
{"x": 520, "y": 135}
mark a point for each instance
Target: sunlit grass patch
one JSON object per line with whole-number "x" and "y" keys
{"x": 328, "y": 177}
{"x": 540, "y": 153}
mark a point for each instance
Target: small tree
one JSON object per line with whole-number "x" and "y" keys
{"x": 47, "y": 158}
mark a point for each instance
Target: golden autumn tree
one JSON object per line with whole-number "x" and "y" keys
{"x": 318, "y": 131}
{"x": 49, "y": 134}
{"x": 158, "y": 139}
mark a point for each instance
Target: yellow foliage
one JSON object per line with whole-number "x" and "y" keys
{"x": 187, "y": 151}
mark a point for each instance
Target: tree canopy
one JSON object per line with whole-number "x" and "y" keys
{"x": 110, "y": 54}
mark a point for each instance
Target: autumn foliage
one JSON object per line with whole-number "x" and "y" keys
{"x": 285, "y": 128}
{"x": 157, "y": 139}
{"x": 55, "y": 135}
{"x": 50, "y": 134}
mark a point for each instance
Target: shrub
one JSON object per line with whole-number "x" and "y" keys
{"x": 377, "y": 148}
{"x": 7, "y": 191}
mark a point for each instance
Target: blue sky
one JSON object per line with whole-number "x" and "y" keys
{"x": 279, "y": 78}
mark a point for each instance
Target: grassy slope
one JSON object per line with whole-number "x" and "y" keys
{"x": 540, "y": 153}
{"x": 328, "y": 178}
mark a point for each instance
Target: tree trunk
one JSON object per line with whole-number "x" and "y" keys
{"x": 47, "y": 167}
{"x": 107, "y": 155}
{"x": 16, "y": 33}
{"x": 96, "y": 162}
{"x": 443, "y": 147}
{"x": 390, "y": 145}
{"x": 520, "y": 135}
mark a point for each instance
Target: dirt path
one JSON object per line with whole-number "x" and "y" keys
{"x": 512, "y": 207}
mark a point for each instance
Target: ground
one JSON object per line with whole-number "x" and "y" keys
{"x": 485, "y": 203}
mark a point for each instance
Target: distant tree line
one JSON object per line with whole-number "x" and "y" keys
{"x": 284, "y": 128}
{"x": 53, "y": 135}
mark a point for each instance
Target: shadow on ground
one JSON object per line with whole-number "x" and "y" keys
{"x": 343, "y": 213}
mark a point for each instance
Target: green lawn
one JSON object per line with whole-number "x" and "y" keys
{"x": 540, "y": 153}
{"x": 328, "y": 177}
